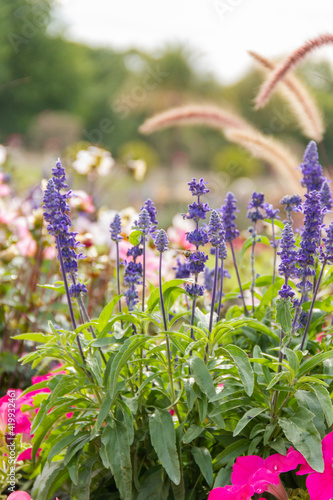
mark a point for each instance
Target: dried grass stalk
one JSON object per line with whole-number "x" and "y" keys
{"x": 211, "y": 116}
{"x": 290, "y": 62}
{"x": 268, "y": 149}
{"x": 301, "y": 102}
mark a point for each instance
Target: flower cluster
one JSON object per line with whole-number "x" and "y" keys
{"x": 312, "y": 171}
{"x": 292, "y": 203}
{"x": 288, "y": 253}
{"x": 198, "y": 237}
{"x": 229, "y": 210}
{"x": 161, "y": 241}
{"x": 56, "y": 210}
{"x": 151, "y": 209}
{"x": 256, "y": 207}
{"x": 310, "y": 237}
{"x": 115, "y": 229}
{"x": 326, "y": 198}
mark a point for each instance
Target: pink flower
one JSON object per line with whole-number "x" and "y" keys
{"x": 26, "y": 245}
{"x": 19, "y": 495}
{"x": 4, "y": 189}
{"x": 22, "y": 422}
{"x": 320, "y": 484}
{"x": 231, "y": 493}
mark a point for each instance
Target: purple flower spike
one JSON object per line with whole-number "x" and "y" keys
{"x": 198, "y": 188}
{"x": 182, "y": 270}
{"x": 195, "y": 290}
{"x": 144, "y": 222}
{"x": 216, "y": 231}
{"x": 77, "y": 289}
{"x": 288, "y": 253}
{"x": 161, "y": 241}
{"x": 196, "y": 262}
{"x": 327, "y": 253}
{"x": 256, "y": 204}
{"x": 326, "y": 196}
{"x": 270, "y": 212}
{"x": 312, "y": 171}
{"x": 151, "y": 209}
{"x": 292, "y": 202}
{"x": 197, "y": 211}
{"x": 229, "y": 210}
{"x": 198, "y": 237}
{"x": 115, "y": 229}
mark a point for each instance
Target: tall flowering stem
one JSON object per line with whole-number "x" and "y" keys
{"x": 115, "y": 230}
{"x": 196, "y": 211}
{"x": 326, "y": 256}
{"x": 309, "y": 247}
{"x": 254, "y": 213}
{"x": 144, "y": 224}
{"x": 56, "y": 211}
{"x": 222, "y": 256}
{"x": 272, "y": 215}
{"x": 216, "y": 235}
{"x": 229, "y": 210}
{"x": 313, "y": 177}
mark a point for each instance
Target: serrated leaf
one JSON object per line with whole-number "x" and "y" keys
{"x": 203, "y": 459}
{"x": 301, "y": 432}
{"x": 163, "y": 439}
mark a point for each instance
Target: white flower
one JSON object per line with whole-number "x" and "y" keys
{"x": 93, "y": 159}
{"x": 3, "y": 154}
{"x": 139, "y": 168}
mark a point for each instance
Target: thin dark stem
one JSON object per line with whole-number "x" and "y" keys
{"x": 214, "y": 289}
{"x": 161, "y": 293}
{"x": 70, "y": 306}
{"x": 144, "y": 273}
{"x": 312, "y": 305}
{"x": 275, "y": 252}
{"x": 221, "y": 290}
{"x": 194, "y": 303}
{"x": 118, "y": 274}
{"x": 246, "y": 312}
{"x": 252, "y": 266}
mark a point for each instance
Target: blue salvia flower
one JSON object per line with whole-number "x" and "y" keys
{"x": 77, "y": 289}
{"x": 292, "y": 202}
{"x": 326, "y": 253}
{"x": 271, "y": 213}
{"x": 161, "y": 241}
{"x": 216, "y": 233}
{"x": 182, "y": 269}
{"x": 288, "y": 254}
{"x": 313, "y": 177}
{"x": 255, "y": 207}
{"x": 209, "y": 278}
{"x": 115, "y": 229}
{"x": 195, "y": 290}
{"x": 151, "y": 209}
{"x": 310, "y": 237}
{"x": 197, "y": 237}
{"x": 196, "y": 262}
{"x": 144, "y": 222}
{"x": 198, "y": 188}
{"x": 135, "y": 251}
{"x": 197, "y": 211}
{"x": 326, "y": 198}
{"x": 229, "y": 210}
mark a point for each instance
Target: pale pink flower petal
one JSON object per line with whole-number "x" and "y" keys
{"x": 19, "y": 495}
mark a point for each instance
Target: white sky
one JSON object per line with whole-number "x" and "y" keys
{"x": 219, "y": 31}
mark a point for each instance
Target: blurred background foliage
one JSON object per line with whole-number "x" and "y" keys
{"x": 55, "y": 93}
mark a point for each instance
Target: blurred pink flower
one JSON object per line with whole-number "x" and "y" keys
{"x": 26, "y": 245}
{"x": 22, "y": 422}
{"x": 4, "y": 188}
{"x": 19, "y": 495}
{"x": 82, "y": 201}
{"x": 50, "y": 253}
{"x": 152, "y": 260}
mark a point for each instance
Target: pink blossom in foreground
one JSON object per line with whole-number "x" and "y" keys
{"x": 19, "y": 495}
{"x": 22, "y": 422}
{"x": 231, "y": 493}
{"x": 320, "y": 484}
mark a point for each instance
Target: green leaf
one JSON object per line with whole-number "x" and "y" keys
{"x": 120, "y": 360}
{"x": 243, "y": 367}
{"x": 301, "y": 432}
{"x": 60, "y": 445}
{"x": 231, "y": 452}
{"x": 314, "y": 361}
{"x": 192, "y": 432}
{"x": 293, "y": 361}
{"x": 283, "y": 314}
{"x": 52, "y": 476}
{"x": 106, "y": 313}
{"x": 246, "y": 419}
{"x": 56, "y": 288}
{"x": 135, "y": 237}
{"x": 325, "y": 402}
{"x": 117, "y": 448}
{"x": 105, "y": 408}
{"x": 202, "y": 376}
{"x": 163, "y": 439}
{"x": 34, "y": 337}
{"x": 81, "y": 490}
{"x": 203, "y": 459}
{"x": 154, "y": 487}
{"x": 167, "y": 288}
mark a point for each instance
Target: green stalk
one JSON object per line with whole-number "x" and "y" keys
{"x": 246, "y": 312}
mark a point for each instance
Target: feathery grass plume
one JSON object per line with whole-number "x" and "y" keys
{"x": 211, "y": 116}
{"x": 290, "y": 62}
{"x": 305, "y": 110}
{"x": 268, "y": 149}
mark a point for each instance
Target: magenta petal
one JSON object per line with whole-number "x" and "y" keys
{"x": 262, "y": 478}
{"x": 245, "y": 467}
{"x": 285, "y": 463}
{"x": 231, "y": 493}
{"x": 19, "y": 495}
{"x": 305, "y": 469}
{"x": 320, "y": 485}
{"x": 327, "y": 444}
